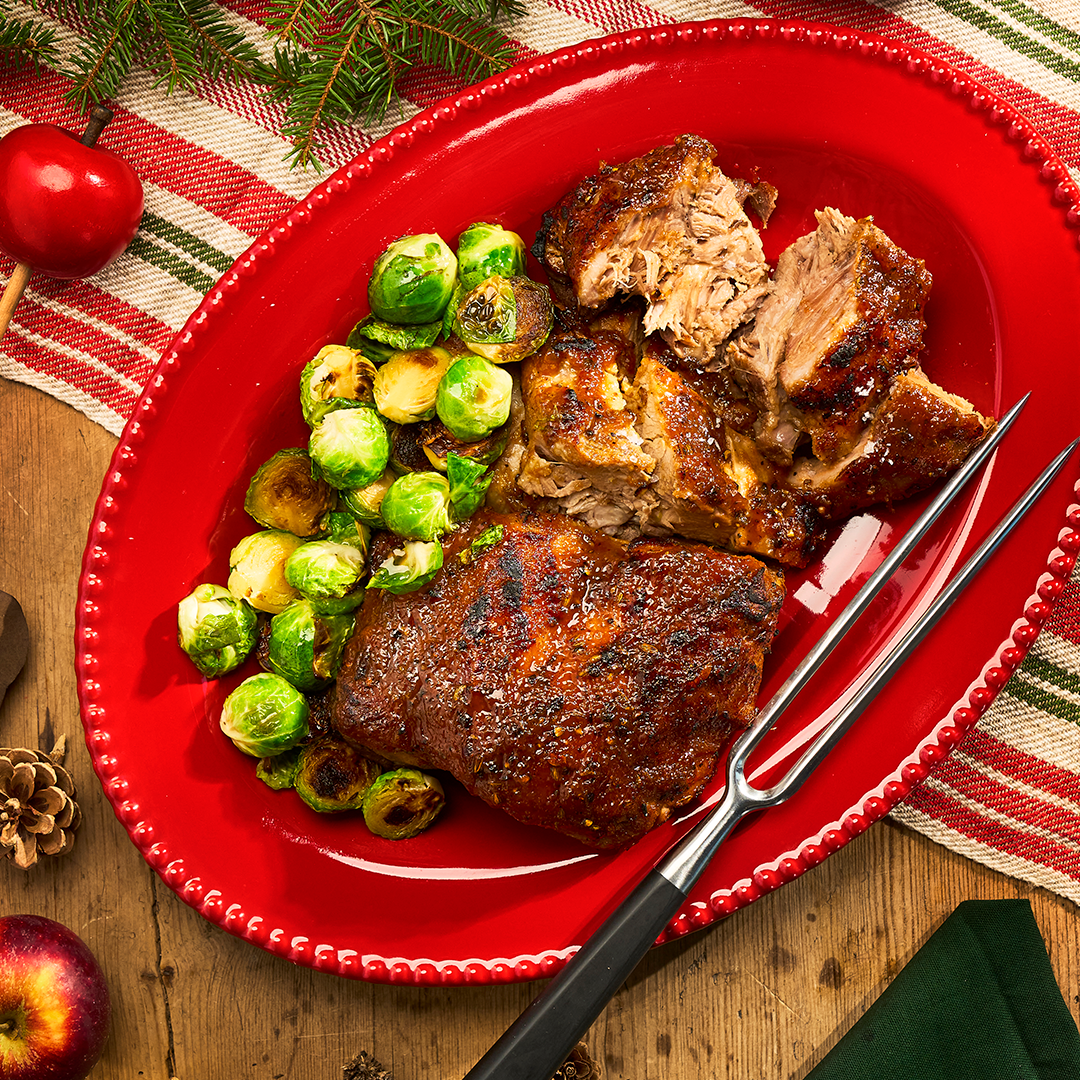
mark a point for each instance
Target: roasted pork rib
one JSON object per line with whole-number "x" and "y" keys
{"x": 577, "y": 682}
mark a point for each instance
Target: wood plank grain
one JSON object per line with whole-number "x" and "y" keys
{"x": 763, "y": 994}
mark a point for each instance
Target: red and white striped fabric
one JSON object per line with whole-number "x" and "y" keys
{"x": 215, "y": 177}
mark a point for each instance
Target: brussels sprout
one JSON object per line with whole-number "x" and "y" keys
{"x": 305, "y": 647}
{"x": 406, "y": 385}
{"x": 333, "y": 776}
{"x": 468, "y": 481}
{"x": 473, "y": 398}
{"x": 216, "y": 629}
{"x": 409, "y": 567}
{"x": 328, "y": 573}
{"x": 257, "y": 569}
{"x": 407, "y": 448}
{"x": 343, "y": 528}
{"x": 439, "y": 442}
{"x": 395, "y": 336}
{"x": 336, "y": 374}
{"x": 364, "y": 503}
{"x": 402, "y": 803}
{"x": 505, "y": 319}
{"x": 483, "y": 250}
{"x": 350, "y": 447}
{"x": 369, "y": 348}
{"x": 417, "y": 506}
{"x": 280, "y": 771}
{"x": 412, "y": 279}
{"x": 284, "y": 494}
{"x": 265, "y": 715}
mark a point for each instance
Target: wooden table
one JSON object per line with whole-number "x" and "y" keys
{"x": 763, "y": 994}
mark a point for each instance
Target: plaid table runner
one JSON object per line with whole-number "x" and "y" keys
{"x": 213, "y": 169}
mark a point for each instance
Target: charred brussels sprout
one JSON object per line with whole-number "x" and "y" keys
{"x": 483, "y": 250}
{"x": 412, "y": 280}
{"x": 474, "y": 398}
{"x": 407, "y": 448}
{"x": 329, "y": 574}
{"x": 216, "y": 629}
{"x": 409, "y": 567}
{"x": 283, "y": 494}
{"x": 333, "y": 776}
{"x": 417, "y": 506}
{"x": 350, "y": 447}
{"x": 505, "y": 319}
{"x": 257, "y": 569}
{"x": 406, "y": 385}
{"x": 402, "y": 803}
{"x": 439, "y": 442}
{"x": 364, "y": 503}
{"x": 280, "y": 771}
{"x": 305, "y": 647}
{"x": 265, "y": 715}
{"x": 335, "y": 376}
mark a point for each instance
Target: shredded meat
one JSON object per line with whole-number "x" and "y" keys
{"x": 668, "y": 226}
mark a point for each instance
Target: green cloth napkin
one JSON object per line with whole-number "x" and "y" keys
{"x": 977, "y": 1002}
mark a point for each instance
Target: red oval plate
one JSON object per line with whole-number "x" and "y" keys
{"x": 830, "y": 117}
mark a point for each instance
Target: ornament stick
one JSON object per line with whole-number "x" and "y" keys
{"x": 20, "y": 276}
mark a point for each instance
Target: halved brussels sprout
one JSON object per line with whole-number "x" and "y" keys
{"x": 336, "y": 374}
{"x": 473, "y": 398}
{"x": 305, "y": 647}
{"x": 402, "y": 803}
{"x": 484, "y": 249}
{"x": 257, "y": 569}
{"x": 408, "y": 567}
{"x": 505, "y": 319}
{"x": 265, "y": 715}
{"x": 407, "y": 448}
{"x": 396, "y": 336}
{"x": 364, "y": 503}
{"x": 328, "y": 573}
{"x": 350, "y": 447}
{"x": 284, "y": 494}
{"x": 417, "y": 506}
{"x": 469, "y": 482}
{"x": 412, "y": 279}
{"x": 406, "y": 385}
{"x": 279, "y": 772}
{"x": 333, "y": 775}
{"x": 439, "y": 442}
{"x": 216, "y": 629}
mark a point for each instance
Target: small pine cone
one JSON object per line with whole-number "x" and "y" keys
{"x": 579, "y": 1065}
{"x": 38, "y": 812}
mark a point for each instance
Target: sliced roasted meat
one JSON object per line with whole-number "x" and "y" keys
{"x": 918, "y": 434}
{"x": 668, "y": 226}
{"x": 711, "y": 483}
{"x": 843, "y": 318}
{"x": 578, "y": 683}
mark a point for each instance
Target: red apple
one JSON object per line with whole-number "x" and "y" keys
{"x": 66, "y": 209}
{"x": 54, "y": 1004}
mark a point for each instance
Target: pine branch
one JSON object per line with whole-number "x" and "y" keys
{"x": 334, "y": 61}
{"x": 23, "y": 41}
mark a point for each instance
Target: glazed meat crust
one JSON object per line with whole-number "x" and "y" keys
{"x": 577, "y": 682}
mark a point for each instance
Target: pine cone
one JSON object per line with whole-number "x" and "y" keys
{"x": 579, "y": 1065}
{"x": 38, "y": 812}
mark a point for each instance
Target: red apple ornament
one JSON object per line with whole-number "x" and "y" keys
{"x": 67, "y": 207}
{"x": 54, "y": 1004}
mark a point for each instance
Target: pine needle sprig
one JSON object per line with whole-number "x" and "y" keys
{"x": 24, "y": 41}
{"x": 342, "y": 60}
{"x": 179, "y": 41}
